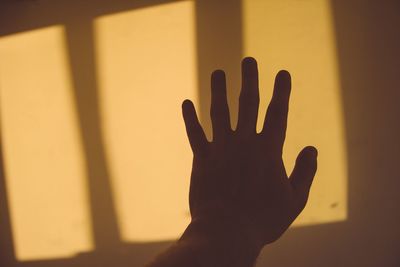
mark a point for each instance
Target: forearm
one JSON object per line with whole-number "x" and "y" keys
{"x": 201, "y": 246}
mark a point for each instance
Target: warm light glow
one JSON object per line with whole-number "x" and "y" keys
{"x": 145, "y": 62}
{"x": 299, "y": 36}
{"x": 146, "y": 68}
{"x": 43, "y": 158}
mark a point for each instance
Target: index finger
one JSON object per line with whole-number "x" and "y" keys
{"x": 275, "y": 122}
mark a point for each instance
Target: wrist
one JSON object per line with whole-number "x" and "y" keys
{"x": 226, "y": 242}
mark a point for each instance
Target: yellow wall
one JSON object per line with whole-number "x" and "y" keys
{"x": 117, "y": 73}
{"x": 146, "y": 68}
{"x": 42, "y": 151}
{"x": 299, "y": 36}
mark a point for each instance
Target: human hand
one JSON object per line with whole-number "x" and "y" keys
{"x": 239, "y": 185}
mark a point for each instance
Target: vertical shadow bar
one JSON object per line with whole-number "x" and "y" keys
{"x": 7, "y": 253}
{"x": 368, "y": 55}
{"x": 219, "y": 45}
{"x": 80, "y": 43}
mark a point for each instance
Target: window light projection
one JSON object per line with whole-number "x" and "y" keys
{"x": 42, "y": 152}
{"x": 146, "y": 68}
{"x": 145, "y": 63}
{"x": 299, "y": 36}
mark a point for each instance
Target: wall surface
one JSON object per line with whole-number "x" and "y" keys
{"x": 99, "y": 129}
{"x": 368, "y": 40}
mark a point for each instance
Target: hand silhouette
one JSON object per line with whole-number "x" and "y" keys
{"x": 239, "y": 187}
{"x": 240, "y": 195}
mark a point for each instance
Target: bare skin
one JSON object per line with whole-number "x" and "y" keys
{"x": 241, "y": 197}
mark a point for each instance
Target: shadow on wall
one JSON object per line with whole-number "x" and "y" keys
{"x": 367, "y": 40}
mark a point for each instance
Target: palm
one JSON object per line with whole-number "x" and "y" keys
{"x": 240, "y": 176}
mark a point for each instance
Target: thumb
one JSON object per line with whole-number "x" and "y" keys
{"x": 303, "y": 173}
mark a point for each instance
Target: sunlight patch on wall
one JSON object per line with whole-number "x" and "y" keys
{"x": 299, "y": 36}
{"x": 42, "y": 151}
{"x": 146, "y": 68}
